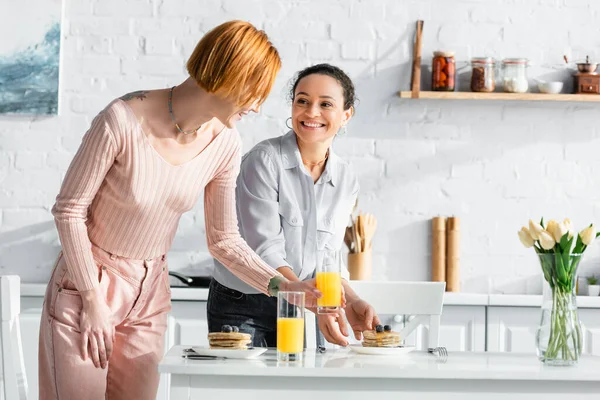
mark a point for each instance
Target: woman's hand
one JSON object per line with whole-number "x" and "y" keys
{"x": 97, "y": 328}
{"x": 361, "y": 317}
{"x": 333, "y": 327}
{"x": 308, "y": 287}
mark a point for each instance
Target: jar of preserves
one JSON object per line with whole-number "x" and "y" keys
{"x": 483, "y": 76}
{"x": 514, "y": 75}
{"x": 443, "y": 71}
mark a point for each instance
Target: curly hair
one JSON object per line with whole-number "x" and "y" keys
{"x": 332, "y": 71}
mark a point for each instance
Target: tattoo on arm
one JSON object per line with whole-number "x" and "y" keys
{"x": 140, "y": 94}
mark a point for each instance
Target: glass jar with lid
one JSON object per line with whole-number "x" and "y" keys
{"x": 514, "y": 75}
{"x": 483, "y": 76}
{"x": 443, "y": 71}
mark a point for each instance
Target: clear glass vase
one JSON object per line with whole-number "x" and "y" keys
{"x": 558, "y": 338}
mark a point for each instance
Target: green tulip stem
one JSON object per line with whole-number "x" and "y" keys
{"x": 563, "y": 327}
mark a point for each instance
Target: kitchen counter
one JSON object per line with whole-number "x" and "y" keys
{"x": 465, "y": 299}
{"x": 450, "y": 299}
{"x": 530, "y": 300}
{"x": 420, "y": 375}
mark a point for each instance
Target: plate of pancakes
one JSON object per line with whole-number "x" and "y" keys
{"x": 229, "y": 343}
{"x": 381, "y": 341}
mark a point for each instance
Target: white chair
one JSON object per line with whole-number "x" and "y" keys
{"x": 14, "y": 381}
{"x": 418, "y": 303}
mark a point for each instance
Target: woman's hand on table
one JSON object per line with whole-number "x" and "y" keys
{"x": 97, "y": 328}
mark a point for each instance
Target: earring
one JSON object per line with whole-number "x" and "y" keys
{"x": 286, "y": 123}
{"x": 343, "y": 131}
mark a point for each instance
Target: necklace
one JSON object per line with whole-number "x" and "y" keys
{"x": 314, "y": 164}
{"x": 173, "y": 117}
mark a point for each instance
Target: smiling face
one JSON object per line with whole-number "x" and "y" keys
{"x": 318, "y": 109}
{"x": 229, "y": 113}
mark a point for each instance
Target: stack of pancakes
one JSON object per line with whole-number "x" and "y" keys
{"x": 229, "y": 340}
{"x": 381, "y": 339}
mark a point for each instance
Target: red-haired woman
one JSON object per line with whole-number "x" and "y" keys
{"x": 143, "y": 163}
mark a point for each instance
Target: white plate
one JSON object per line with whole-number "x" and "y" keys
{"x": 381, "y": 351}
{"x": 233, "y": 353}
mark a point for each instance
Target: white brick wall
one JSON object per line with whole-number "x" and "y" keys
{"x": 493, "y": 164}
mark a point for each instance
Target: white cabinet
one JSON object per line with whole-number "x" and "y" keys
{"x": 513, "y": 329}
{"x": 31, "y": 313}
{"x": 462, "y": 328}
{"x": 187, "y": 325}
{"x": 590, "y": 323}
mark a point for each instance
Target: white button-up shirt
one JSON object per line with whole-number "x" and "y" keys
{"x": 283, "y": 214}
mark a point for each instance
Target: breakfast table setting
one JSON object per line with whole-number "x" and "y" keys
{"x": 416, "y": 375}
{"x": 382, "y": 363}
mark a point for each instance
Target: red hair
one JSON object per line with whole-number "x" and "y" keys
{"x": 236, "y": 61}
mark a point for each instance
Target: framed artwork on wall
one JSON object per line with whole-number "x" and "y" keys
{"x": 29, "y": 56}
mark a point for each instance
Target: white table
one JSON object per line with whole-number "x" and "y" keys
{"x": 341, "y": 374}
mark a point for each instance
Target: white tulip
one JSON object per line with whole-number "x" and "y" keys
{"x": 559, "y": 231}
{"x": 525, "y": 237}
{"x": 546, "y": 240}
{"x": 535, "y": 229}
{"x": 569, "y": 227}
{"x": 588, "y": 235}
{"x": 552, "y": 228}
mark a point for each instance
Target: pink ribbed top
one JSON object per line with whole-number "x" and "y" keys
{"x": 122, "y": 196}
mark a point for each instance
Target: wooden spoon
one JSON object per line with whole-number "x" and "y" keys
{"x": 348, "y": 238}
{"x": 362, "y": 221}
{"x": 370, "y": 226}
{"x": 357, "y": 232}
{"x": 353, "y": 227}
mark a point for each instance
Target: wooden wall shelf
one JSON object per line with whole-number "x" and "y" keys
{"x": 502, "y": 96}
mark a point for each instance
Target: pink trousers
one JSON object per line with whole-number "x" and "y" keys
{"x": 137, "y": 292}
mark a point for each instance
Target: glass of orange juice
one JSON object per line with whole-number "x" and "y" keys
{"x": 290, "y": 326}
{"x": 329, "y": 281}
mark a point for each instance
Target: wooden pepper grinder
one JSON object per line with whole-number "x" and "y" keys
{"x": 453, "y": 255}
{"x": 438, "y": 249}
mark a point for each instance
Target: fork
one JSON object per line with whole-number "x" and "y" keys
{"x": 190, "y": 354}
{"x": 439, "y": 351}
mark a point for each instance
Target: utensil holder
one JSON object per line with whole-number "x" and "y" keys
{"x": 360, "y": 265}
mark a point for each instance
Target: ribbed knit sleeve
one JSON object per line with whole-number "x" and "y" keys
{"x": 82, "y": 181}
{"x": 224, "y": 240}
